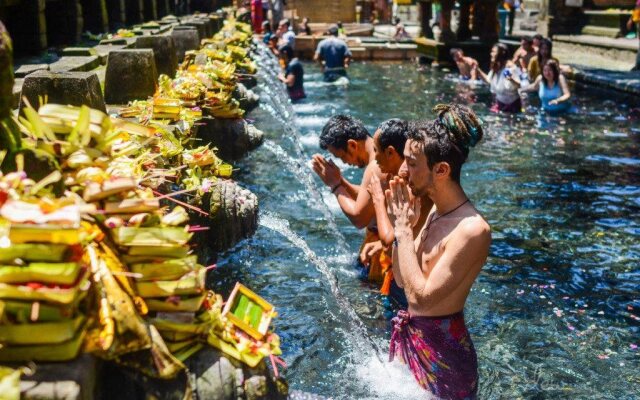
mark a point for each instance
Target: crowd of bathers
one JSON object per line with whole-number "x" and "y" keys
{"x": 531, "y": 68}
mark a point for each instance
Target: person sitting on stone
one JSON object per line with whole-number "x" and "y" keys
{"x": 304, "y": 27}
{"x": 293, "y": 75}
{"x": 467, "y": 66}
{"x": 334, "y": 56}
{"x": 400, "y": 33}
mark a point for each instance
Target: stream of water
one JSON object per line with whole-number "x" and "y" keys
{"x": 555, "y": 312}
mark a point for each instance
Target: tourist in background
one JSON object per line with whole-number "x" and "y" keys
{"x": 286, "y": 35}
{"x": 503, "y": 81}
{"x": 304, "y": 27}
{"x": 334, "y": 56}
{"x": 293, "y": 75}
{"x": 524, "y": 53}
{"x": 467, "y": 66}
{"x": 256, "y": 16}
{"x": 400, "y": 33}
{"x": 511, "y": 6}
{"x": 266, "y": 30}
{"x": 543, "y": 55}
{"x": 634, "y": 23}
{"x": 552, "y": 89}
{"x": 341, "y": 31}
{"x": 537, "y": 39}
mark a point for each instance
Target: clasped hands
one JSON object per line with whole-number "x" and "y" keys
{"x": 328, "y": 172}
{"x": 403, "y": 208}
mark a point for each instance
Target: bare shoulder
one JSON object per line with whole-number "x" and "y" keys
{"x": 374, "y": 169}
{"x": 474, "y": 228}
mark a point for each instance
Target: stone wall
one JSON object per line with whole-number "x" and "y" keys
{"x": 324, "y": 10}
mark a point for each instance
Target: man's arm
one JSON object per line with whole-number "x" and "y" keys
{"x": 359, "y": 211}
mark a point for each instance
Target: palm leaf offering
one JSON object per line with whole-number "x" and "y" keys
{"x": 95, "y": 252}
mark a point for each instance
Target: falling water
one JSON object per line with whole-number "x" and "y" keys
{"x": 359, "y": 331}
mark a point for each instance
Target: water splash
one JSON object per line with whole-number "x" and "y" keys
{"x": 359, "y": 335}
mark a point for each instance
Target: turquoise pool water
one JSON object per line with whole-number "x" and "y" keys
{"x": 556, "y": 311}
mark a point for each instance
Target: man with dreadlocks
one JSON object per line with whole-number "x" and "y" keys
{"x": 438, "y": 267}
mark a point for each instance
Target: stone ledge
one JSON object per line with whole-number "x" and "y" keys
{"x": 75, "y": 64}
{"x": 599, "y": 41}
{"x": 623, "y": 81}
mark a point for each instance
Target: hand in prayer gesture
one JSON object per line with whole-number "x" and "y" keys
{"x": 375, "y": 189}
{"x": 328, "y": 172}
{"x": 403, "y": 208}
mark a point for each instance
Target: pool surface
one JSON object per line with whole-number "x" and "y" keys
{"x": 555, "y": 312}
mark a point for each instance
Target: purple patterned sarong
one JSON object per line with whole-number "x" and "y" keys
{"x": 439, "y": 352}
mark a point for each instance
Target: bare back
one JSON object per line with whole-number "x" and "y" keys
{"x": 451, "y": 256}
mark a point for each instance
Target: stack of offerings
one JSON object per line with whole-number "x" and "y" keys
{"x": 169, "y": 279}
{"x": 43, "y": 281}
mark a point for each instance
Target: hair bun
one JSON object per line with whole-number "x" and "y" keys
{"x": 462, "y": 124}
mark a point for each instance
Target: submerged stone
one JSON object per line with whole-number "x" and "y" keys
{"x": 130, "y": 75}
{"x": 69, "y": 88}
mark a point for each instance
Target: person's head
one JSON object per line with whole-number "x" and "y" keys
{"x": 436, "y": 149}
{"x": 339, "y": 24}
{"x": 499, "y": 56}
{"x": 544, "y": 50}
{"x": 537, "y": 39}
{"x": 389, "y": 141}
{"x": 551, "y": 72}
{"x": 345, "y": 137}
{"x": 333, "y": 30}
{"x": 285, "y": 52}
{"x": 273, "y": 42}
{"x": 305, "y": 20}
{"x": 396, "y": 21}
{"x": 456, "y": 54}
{"x": 526, "y": 42}
{"x": 266, "y": 26}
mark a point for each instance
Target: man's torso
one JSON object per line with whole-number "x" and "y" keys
{"x": 333, "y": 52}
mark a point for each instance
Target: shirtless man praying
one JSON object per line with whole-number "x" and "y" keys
{"x": 438, "y": 267}
{"x": 381, "y": 156}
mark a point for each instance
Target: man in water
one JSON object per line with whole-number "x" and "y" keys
{"x": 334, "y": 56}
{"x": 293, "y": 75}
{"x": 467, "y": 66}
{"x": 438, "y": 268}
{"x": 347, "y": 139}
{"x": 286, "y": 35}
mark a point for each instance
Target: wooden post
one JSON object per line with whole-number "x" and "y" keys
{"x": 64, "y": 17}
{"x": 464, "y": 30}
{"x": 485, "y": 20}
{"x": 150, "y": 10}
{"x": 27, "y": 25}
{"x": 117, "y": 14}
{"x": 95, "y": 15}
{"x": 446, "y": 34}
{"x": 134, "y": 11}
{"x": 425, "y": 18}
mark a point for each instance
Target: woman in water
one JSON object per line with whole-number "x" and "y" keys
{"x": 544, "y": 54}
{"x": 503, "y": 81}
{"x": 552, "y": 88}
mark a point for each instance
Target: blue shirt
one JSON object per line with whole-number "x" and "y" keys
{"x": 333, "y": 51}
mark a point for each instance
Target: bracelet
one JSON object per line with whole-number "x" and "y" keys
{"x": 333, "y": 189}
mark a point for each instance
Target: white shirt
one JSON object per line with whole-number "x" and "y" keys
{"x": 506, "y": 92}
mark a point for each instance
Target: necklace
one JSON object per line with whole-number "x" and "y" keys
{"x": 426, "y": 230}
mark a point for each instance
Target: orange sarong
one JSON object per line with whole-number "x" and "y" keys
{"x": 380, "y": 265}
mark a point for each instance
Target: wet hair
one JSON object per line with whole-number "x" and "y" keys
{"x": 266, "y": 25}
{"x": 339, "y": 129}
{"x": 501, "y": 58}
{"x": 555, "y": 68}
{"x": 547, "y": 43}
{"x": 393, "y": 132}
{"x": 454, "y": 51}
{"x": 448, "y": 137}
{"x": 527, "y": 39}
{"x": 538, "y": 36}
{"x": 286, "y": 50}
